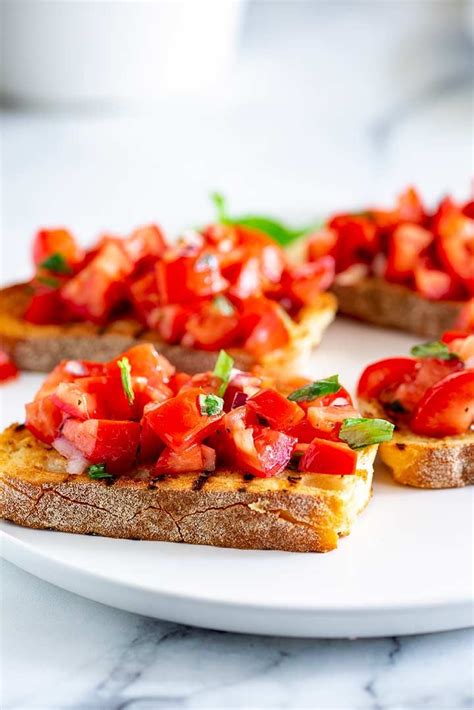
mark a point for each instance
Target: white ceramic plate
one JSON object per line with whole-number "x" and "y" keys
{"x": 407, "y": 567}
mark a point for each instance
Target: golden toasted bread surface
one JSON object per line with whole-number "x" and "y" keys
{"x": 295, "y": 511}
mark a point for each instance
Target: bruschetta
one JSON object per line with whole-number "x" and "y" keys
{"x": 408, "y": 268}
{"x": 430, "y": 398}
{"x": 133, "y": 448}
{"x": 225, "y": 286}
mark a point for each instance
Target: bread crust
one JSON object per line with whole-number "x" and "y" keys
{"x": 40, "y": 348}
{"x": 294, "y": 512}
{"x": 394, "y": 306}
{"x": 422, "y": 461}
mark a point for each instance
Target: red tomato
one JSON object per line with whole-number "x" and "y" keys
{"x": 145, "y": 300}
{"x": 179, "y": 422}
{"x": 406, "y": 245}
{"x": 44, "y": 419}
{"x": 151, "y": 445}
{"x": 178, "y": 380}
{"x": 208, "y": 329}
{"x": 383, "y": 374}
{"x": 245, "y": 278}
{"x": 263, "y": 452}
{"x": 447, "y": 408}
{"x": 114, "y": 443}
{"x": 143, "y": 243}
{"x": 98, "y": 287}
{"x": 45, "y": 306}
{"x": 357, "y": 239}
{"x": 196, "y": 458}
{"x": 456, "y": 245}
{"x": 451, "y": 335}
{"x": 331, "y": 457}
{"x": 304, "y": 431}
{"x": 221, "y": 236}
{"x": 266, "y": 325}
{"x": 172, "y": 320}
{"x": 145, "y": 361}
{"x": 278, "y": 411}
{"x": 433, "y": 283}
{"x": 327, "y": 421}
{"x": 8, "y": 370}
{"x": 56, "y": 241}
{"x": 411, "y": 388}
{"x": 304, "y": 283}
{"x": 269, "y": 254}
{"x": 321, "y": 243}
{"x": 182, "y": 279}
{"x": 94, "y": 398}
{"x": 68, "y": 371}
{"x": 410, "y": 207}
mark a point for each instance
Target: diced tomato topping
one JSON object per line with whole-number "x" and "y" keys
{"x": 406, "y": 245}
{"x": 330, "y": 457}
{"x": 45, "y": 306}
{"x": 327, "y": 421}
{"x": 151, "y": 445}
{"x": 145, "y": 299}
{"x": 8, "y": 369}
{"x": 179, "y": 421}
{"x": 433, "y": 284}
{"x": 145, "y": 361}
{"x": 304, "y": 283}
{"x": 144, "y": 243}
{"x": 447, "y": 408}
{"x": 184, "y": 278}
{"x": 263, "y": 452}
{"x": 357, "y": 239}
{"x": 114, "y": 443}
{"x": 321, "y": 243}
{"x": 44, "y": 419}
{"x": 94, "y": 398}
{"x": 211, "y": 330}
{"x": 56, "y": 241}
{"x": 266, "y": 325}
{"x": 93, "y": 293}
{"x": 383, "y": 374}
{"x": 274, "y": 409}
{"x": 196, "y": 458}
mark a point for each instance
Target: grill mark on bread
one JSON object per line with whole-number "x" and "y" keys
{"x": 402, "y": 447}
{"x": 248, "y": 476}
{"x": 201, "y": 480}
{"x": 20, "y": 427}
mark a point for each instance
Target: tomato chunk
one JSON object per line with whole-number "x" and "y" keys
{"x": 384, "y": 373}
{"x": 94, "y": 398}
{"x": 447, "y": 408}
{"x": 263, "y": 452}
{"x": 304, "y": 283}
{"x": 196, "y": 458}
{"x": 98, "y": 287}
{"x": 179, "y": 422}
{"x": 266, "y": 324}
{"x": 145, "y": 361}
{"x": 405, "y": 247}
{"x": 44, "y": 419}
{"x": 143, "y": 243}
{"x": 56, "y": 241}
{"x": 185, "y": 278}
{"x": 331, "y": 457}
{"x": 45, "y": 306}
{"x": 272, "y": 407}
{"x": 8, "y": 369}
{"x": 113, "y": 443}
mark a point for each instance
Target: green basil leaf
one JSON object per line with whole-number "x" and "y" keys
{"x": 436, "y": 349}
{"x": 210, "y": 404}
{"x": 125, "y": 374}
{"x": 57, "y": 263}
{"x": 97, "y": 470}
{"x": 329, "y": 385}
{"x": 362, "y": 432}
{"x": 222, "y": 369}
{"x": 277, "y": 230}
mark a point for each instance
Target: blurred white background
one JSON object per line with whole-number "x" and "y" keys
{"x": 117, "y": 113}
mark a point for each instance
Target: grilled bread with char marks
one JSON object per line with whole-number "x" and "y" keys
{"x": 293, "y": 511}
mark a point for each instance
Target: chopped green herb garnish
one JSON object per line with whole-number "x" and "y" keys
{"x": 210, "y": 404}
{"x": 48, "y": 281}
{"x": 223, "y": 305}
{"x": 436, "y": 349}
{"x": 222, "y": 370}
{"x": 364, "y": 432}
{"x": 280, "y": 232}
{"x": 56, "y": 263}
{"x": 97, "y": 470}
{"x": 316, "y": 389}
{"x": 125, "y": 374}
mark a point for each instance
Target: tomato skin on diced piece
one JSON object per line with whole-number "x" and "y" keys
{"x": 113, "y": 443}
{"x": 99, "y": 287}
{"x": 56, "y": 241}
{"x": 330, "y": 457}
{"x": 8, "y": 369}
{"x": 198, "y": 458}
{"x": 274, "y": 408}
{"x": 179, "y": 422}
{"x": 406, "y": 244}
{"x": 447, "y": 408}
{"x": 45, "y": 306}
{"x": 44, "y": 419}
{"x": 184, "y": 278}
{"x": 384, "y": 373}
{"x": 264, "y": 325}
{"x": 145, "y": 361}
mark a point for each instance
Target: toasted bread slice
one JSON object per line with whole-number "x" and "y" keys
{"x": 294, "y": 511}
{"x": 391, "y": 305}
{"x": 425, "y": 462}
{"x": 41, "y": 347}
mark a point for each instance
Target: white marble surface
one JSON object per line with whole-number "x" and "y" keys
{"x": 60, "y": 651}
{"x": 330, "y": 104}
